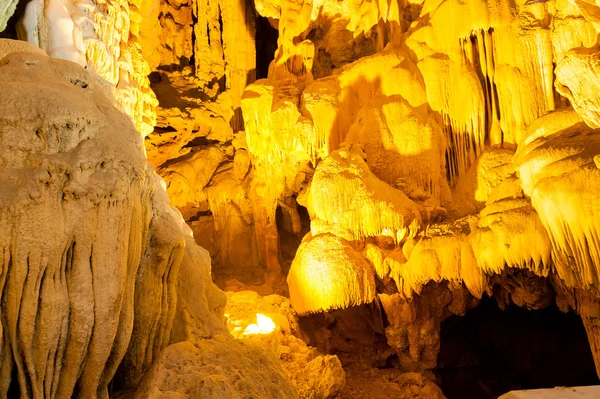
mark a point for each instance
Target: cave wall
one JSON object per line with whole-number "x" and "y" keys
{"x": 101, "y": 283}
{"x": 436, "y": 159}
{"x": 445, "y": 152}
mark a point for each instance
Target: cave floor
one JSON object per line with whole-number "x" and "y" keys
{"x": 364, "y": 381}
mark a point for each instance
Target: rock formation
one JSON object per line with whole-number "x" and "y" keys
{"x": 384, "y": 165}
{"x": 100, "y": 275}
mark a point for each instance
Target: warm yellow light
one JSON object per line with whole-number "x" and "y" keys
{"x": 264, "y": 325}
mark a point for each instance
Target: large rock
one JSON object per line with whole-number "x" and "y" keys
{"x": 218, "y": 368}
{"x": 75, "y": 209}
{"x": 346, "y": 199}
{"x": 327, "y": 273}
{"x": 404, "y": 146}
{"x": 98, "y": 270}
{"x": 558, "y": 169}
{"x": 577, "y": 79}
{"x": 12, "y": 46}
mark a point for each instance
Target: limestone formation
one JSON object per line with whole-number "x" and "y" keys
{"x": 6, "y": 11}
{"x": 271, "y": 320}
{"x": 76, "y": 209}
{"x": 102, "y": 282}
{"x": 216, "y": 368}
{"x": 14, "y": 46}
{"x": 102, "y": 36}
{"x": 382, "y": 166}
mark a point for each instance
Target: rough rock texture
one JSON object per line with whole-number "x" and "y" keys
{"x": 414, "y": 326}
{"x": 102, "y": 36}
{"x": 216, "y": 368}
{"x": 101, "y": 276}
{"x": 7, "y": 9}
{"x": 13, "y": 46}
{"x": 271, "y": 320}
{"x": 202, "y": 58}
{"x": 409, "y": 385}
{"x": 76, "y": 207}
{"x": 576, "y": 80}
{"x": 474, "y": 167}
{"x": 430, "y": 152}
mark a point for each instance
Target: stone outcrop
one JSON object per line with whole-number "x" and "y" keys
{"x": 272, "y": 320}
{"x": 471, "y": 155}
{"x": 399, "y": 160}
{"x": 76, "y": 210}
{"x": 216, "y": 368}
{"x": 102, "y": 282}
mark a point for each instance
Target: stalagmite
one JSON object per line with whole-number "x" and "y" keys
{"x": 81, "y": 212}
{"x": 101, "y": 275}
{"x": 370, "y": 182}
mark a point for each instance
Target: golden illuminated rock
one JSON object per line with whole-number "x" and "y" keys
{"x": 576, "y": 75}
{"x": 344, "y": 278}
{"x": 404, "y": 147}
{"x": 395, "y": 162}
{"x": 272, "y": 320}
{"x": 558, "y": 171}
{"x": 346, "y": 199}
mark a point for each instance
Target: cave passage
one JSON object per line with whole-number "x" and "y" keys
{"x": 490, "y": 352}
{"x": 266, "y": 45}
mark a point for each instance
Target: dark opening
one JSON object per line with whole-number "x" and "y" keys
{"x": 266, "y": 44}
{"x": 10, "y": 32}
{"x": 490, "y": 352}
{"x": 14, "y": 390}
{"x": 289, "y": 241}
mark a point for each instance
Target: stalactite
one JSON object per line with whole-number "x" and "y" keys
{"x": 556, "y": 161}
{"x": 84, "y": 32}
{"x": 346, "y": 199}
{"x": 344, "y": 278}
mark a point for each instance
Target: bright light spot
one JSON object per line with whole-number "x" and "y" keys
{"x": 252, "y": 329}
{"x": 264, "y": 325}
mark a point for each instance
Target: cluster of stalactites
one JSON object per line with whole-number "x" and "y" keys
{"x": 295, "y": 55}
{"x": 485, "y": 90}
{"x": 349, "y": 207}
{"x": 558, "y": 167}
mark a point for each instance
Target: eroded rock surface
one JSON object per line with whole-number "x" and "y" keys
{"x": 101, "y": 275}
{"x": 401, "y": 159}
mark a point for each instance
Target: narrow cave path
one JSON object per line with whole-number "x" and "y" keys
{"x": 489, "y": 352}
{"x": 266, "y": 45}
